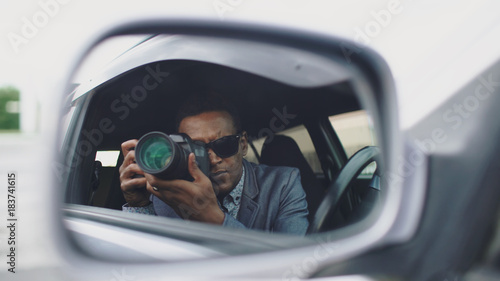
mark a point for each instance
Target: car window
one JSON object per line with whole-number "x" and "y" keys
{"x": 108, "y": 158}
{"x": 66, "y": 120}
{"x": 303, "y": 140}
{"x": 355, "y": 131}
{"x": 105, "y": 167}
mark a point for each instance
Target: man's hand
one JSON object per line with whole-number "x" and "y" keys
{"x": 133, "y": 188}
{"x": 194, "y": 200}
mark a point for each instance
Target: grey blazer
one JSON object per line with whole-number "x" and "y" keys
{"x": 273, "y": 200}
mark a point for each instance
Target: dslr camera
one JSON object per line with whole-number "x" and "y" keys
{"x": 166, "y": 156}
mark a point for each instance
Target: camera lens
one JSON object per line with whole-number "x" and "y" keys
{"x": 166, "y": 156}
{"x": 156, "y": 153}
{"x": 162, "y": 155}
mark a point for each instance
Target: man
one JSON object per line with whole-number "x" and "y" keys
{"x": 236, "y": 193}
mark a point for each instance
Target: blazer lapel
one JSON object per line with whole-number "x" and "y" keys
{"x": 249, "y": 207}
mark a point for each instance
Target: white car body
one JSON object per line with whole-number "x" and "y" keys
{"x": 432, "y": 50}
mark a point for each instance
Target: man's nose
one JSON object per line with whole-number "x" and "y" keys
{"x": 214, "y": 158}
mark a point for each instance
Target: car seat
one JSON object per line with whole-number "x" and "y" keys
{"x": 284, "y": 151}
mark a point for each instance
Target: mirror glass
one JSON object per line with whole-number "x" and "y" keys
{"x": 285, "y": 144}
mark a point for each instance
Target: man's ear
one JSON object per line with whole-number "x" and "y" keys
{"x": 244, "y": 143}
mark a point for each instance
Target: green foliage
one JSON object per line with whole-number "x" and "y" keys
{"x": 9, "y": 105}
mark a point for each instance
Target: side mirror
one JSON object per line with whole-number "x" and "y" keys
{"x": 280, "y": 80}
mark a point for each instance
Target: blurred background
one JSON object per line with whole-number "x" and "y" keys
{"x": 42, "y": 40}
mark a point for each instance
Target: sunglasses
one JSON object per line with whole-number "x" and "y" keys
{"x": 224, "y": 147}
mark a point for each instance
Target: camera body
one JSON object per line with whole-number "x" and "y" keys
{"x": 166, "y": 156}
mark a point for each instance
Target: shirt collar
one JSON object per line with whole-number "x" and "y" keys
{"x": 235, "y": 194}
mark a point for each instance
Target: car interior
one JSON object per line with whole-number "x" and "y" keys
{"x": 111, "y": 114}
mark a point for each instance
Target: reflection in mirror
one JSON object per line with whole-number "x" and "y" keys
{"x": 282, "y": 131}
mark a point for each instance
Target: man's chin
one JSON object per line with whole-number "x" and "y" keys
{"x": 221, "y": 188}
{"x": 221, "y": 184}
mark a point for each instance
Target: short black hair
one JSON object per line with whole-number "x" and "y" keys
{"x": 200, "y": 103}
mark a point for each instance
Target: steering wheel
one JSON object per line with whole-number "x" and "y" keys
{"x": 341, "y": 185}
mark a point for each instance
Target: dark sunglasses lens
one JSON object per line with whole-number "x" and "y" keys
{"x": 226, "y": 146}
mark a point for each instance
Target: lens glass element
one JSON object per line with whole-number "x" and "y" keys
{"x": 156, "y": 153}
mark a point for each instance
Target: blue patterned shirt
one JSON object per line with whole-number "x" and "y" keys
{"x": 232, "y": 201}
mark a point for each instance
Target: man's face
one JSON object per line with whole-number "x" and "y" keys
{"x": 209, "y": 126}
